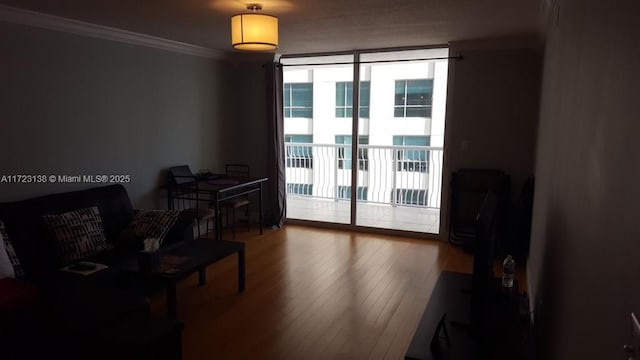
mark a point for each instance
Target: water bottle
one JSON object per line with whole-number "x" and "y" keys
{"x": 508, "y": 268}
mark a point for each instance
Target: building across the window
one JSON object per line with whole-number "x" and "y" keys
{"x": 344, "y": 192}
{"x": 299, "y": 156}
{"x": 413, "y": 98}
{"x": 400, "y": 117}
{"x": 344, "y": 152}
{"x": 411, "y": 197}
{"x": 300, "y": 189}
{"x": 344, "y": 96}
{"x": 298, "y": 100}
{"x": 415, "y": 159}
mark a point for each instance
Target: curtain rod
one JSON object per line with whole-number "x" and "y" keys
{"x": 458, "y": 57}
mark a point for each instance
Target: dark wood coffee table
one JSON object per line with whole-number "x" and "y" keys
{"x": 193, "y": 256}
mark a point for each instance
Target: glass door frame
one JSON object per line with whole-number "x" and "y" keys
{"x": 444, "y": 205}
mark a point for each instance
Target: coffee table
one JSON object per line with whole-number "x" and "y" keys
{"x": 185, "y": 259}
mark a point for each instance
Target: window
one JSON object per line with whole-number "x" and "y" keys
{"x": 344, "y": 97}
{"x": 411, "y": 197}
{"x": 298, "y": 100}
{"x": 344, "y": 192}
{"x": 344, "y": 152}
{"x": 299, "y": 156}
{"x": 413, "y": 98}
{"x": 300, "y": 189}
{"x": 413, "y": 158}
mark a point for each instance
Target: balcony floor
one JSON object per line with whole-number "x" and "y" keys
{"x": 383, "y": 216}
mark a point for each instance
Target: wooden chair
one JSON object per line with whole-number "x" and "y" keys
{"x": 185, "y": 196}
{"x": 230, "y": 205}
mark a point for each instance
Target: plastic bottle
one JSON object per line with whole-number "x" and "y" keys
{"x": 508, "y": 268}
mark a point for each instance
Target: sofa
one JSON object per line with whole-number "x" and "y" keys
{"x": 49, "y": 312}
{"x": 35, "y": 246}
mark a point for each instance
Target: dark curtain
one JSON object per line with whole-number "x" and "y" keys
{"x": 275, "y": 144}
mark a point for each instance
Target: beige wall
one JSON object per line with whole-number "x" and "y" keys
{"x": 583, "y": 265}
{"x": 78, "y": 105}
{"x": 492, "y": 110}
{"x": 246, "y": 126}
{"x": 493, "y": 105}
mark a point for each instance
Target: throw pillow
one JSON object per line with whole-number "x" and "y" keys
{"x": 149, "y": 224}
{"x": 78, "y": 234}
{"x": 6, "y": 268}
{"x": 10, "y": 251}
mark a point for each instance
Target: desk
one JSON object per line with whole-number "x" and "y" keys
{"x": 222, "y": 188}
{"x": 501, "y": 341}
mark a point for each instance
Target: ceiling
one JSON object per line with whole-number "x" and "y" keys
{"x": 306, "y": 25}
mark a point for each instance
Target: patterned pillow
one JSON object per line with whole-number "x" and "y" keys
{"x": 17, "y": 268}
{"x": 6, "y": 268}
{"x": 78, "y": 234}
{"x": 149, "y": 224}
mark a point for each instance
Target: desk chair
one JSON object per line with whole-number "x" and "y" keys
{"x": 185, "y": 196}
{"x": 230, "y": 205}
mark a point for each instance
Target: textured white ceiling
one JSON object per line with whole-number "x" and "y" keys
{"x": 306, "y": 25}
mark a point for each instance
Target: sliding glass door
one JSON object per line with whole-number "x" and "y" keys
{"x": 317, "y": 127}
{"x": 391, "y": 148}
{"x": 405, "y": 131}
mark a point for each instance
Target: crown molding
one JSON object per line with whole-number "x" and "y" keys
{"x": 57, "y": 23}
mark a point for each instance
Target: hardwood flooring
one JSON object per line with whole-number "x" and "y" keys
{"x": 313, "y": 294}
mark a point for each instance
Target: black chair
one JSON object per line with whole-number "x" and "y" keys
{"x": 230, "y": 205}
{"x": 469, "y": 187}
{"x": 185, "y": 196}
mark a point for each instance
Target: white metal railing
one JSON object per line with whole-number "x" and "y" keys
{"x": 396, "y": 175}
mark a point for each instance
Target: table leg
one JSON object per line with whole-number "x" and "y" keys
{"x": 172, "y": 304}
{"x": 218, "y": 217}
{"x": 261, "y": 207}
{"x": 241, "y": 271}
{"x": 202, "y": 276}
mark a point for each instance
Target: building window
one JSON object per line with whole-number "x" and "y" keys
{"x": 298, "y": 100}
{"x": 344, "y": 192}
{"x": 414, "y": 157}
{"x": 344, "y": 152}
{"x": 299, "y": 156}
{"x": 300, "y": 189}
{"x": 344, "y": 99}
{"x": 413, "y": 98}
{"x": 411, "y": 197}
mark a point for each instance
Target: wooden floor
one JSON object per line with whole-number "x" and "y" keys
{"x": 313, "y": 294}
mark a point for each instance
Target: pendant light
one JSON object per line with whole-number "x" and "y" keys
{"x": 254, "y": 31}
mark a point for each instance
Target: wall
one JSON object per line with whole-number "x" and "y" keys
{"x": 78, "y": 105}
{"x": 493, "y": 105}
{"x": 245, "y": 126}
{"x": 492, "y": 109}
{"x": 583, "y": 263}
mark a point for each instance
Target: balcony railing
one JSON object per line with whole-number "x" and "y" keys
{"x": 395, "y": 175}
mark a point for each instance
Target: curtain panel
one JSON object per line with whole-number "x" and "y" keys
{"x": 275, "y": 144}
